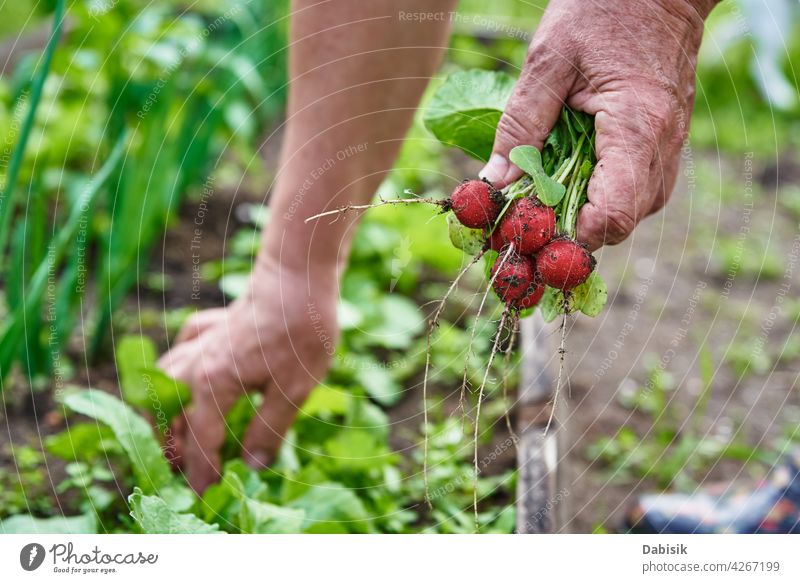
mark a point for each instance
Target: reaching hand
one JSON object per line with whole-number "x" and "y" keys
{"x": 632, "y": 65}
{"x": 278, "y": 339}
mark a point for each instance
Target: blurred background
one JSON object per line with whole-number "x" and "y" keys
{"x": 142, "y": 120}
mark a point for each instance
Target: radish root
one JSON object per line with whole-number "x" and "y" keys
{"x": 506, "y": 363}
{"x": 495, "y": 349}
{"x": 561, "y": 352}
{"x": 443, "y": 203}
{"x": 462, "y": 396}
{"x": 434, "y": 323}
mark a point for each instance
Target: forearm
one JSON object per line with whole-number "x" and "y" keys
{"x": 357, "y": 73}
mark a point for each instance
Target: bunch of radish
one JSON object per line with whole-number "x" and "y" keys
{"x": 531, "y": 252}
{"x": 525, "y": 232}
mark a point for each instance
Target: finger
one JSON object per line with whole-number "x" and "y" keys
{"x": 199, "y": 322}
{"x": 175, "y": 363}
{"x": 265, "y": 434}
{"x": 532, "y": 109}
{"x": 619, "y": 192}
{"x": 214, "y": 391}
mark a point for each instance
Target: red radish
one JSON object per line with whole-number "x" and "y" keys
{"x": 564, "y": 264}
{"x": 512, "y": 276}
{"x": 529, "y": 300}
{"x": 476, "y": 204}
{"x": 529, "y": 225}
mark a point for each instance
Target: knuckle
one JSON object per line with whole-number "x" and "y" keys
{"x": 202, "y": 392}
{"x": 619, "y": 224}
{"x": 192, "y": 323}
{"x": 553, "y": 45}
{"x": 660, "y": 113}
{"x": 540, "y": 56}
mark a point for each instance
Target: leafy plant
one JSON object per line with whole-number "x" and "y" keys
{"x": 23, "y": 489}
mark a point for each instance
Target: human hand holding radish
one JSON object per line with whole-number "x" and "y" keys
{"x": 632, "y": 66}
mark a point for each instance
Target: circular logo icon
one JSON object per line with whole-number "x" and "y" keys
{"x": 31, "y": 556}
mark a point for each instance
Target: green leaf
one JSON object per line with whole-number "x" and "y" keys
{"x": 82, "y": 441}
{"x": 401, "y": 320}
{"x": 551, "y": 304}
{"x": 465, "y": 109}
{"x": 591, "y": 296}
{"x": 237, "y": 421}
{"x": 133, "y": 354}
{"x": 357, "y": 450}
{"x": 135, "y": 435}
{"x": 348, "y": 315}
{"x": 529, "y": 159}
{"x": 326, "y": 401}
{"x": 332, "y": 508}
{"x": 378, "y": 382}
{"x": 27, "y": 524}
{"x": 154, "y": 516}
{"x": 166, "y": 396}
{"x": 257, "y": 517}
{"x": 470, "y": 241}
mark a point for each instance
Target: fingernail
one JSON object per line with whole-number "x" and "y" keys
{"x": 256, "y": 459}
{"x": 495, "y": 169}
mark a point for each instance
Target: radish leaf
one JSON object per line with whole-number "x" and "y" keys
{"x": 470, "y": 241}
{"x": 466, "y": 108}
{"x": 551, "y": 304}
{"x": 591, "y": 296}
{"x": 529, "y": 159}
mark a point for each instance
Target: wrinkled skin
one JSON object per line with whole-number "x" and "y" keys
{"x": 632, "y": 65}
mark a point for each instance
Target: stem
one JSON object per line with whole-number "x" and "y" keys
{"x": 15, "y": 164}
{"x": 571, "y": 216}
{"x": 15, "y": 322}
{"x": 577, "y": 153}
{"x": 575, "y": 188}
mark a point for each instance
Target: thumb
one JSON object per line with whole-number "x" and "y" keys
{"x": 532, "y": 110}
